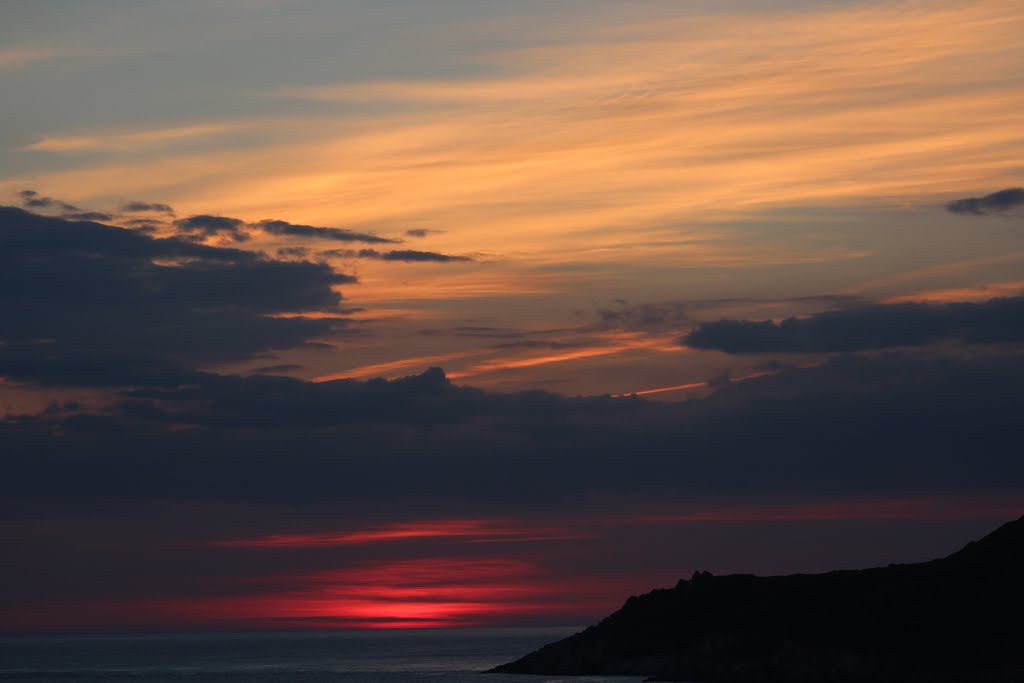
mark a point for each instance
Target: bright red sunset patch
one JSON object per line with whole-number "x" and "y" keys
{"x": 417, "y": 593}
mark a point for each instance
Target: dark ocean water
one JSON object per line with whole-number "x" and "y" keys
{"x": 408, "y": 656}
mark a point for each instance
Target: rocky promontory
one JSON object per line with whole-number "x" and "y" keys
{"x": 957, "y": 619}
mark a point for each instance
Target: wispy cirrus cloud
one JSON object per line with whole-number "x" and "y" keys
{"x": 608, "y": 344}
{"x": 129, "y": 140}
{"x": 466, "y": 530}
{"x": 18, "y": 57}
{"x": 519, "y": 353}
{"x": 401, "y": 365}
{"x": 979, "y": 292}
{"x": 554, "y": 144}
{"x": 703, "y": 384}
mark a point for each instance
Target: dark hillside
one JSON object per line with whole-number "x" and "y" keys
{"x": 956, "y": 619}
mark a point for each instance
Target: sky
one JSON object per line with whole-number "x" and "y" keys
{"x": 439, "y": 313}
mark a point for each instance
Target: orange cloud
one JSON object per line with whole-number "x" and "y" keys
{"x": 976, "y": 293}
{"x": 629, "y": 133}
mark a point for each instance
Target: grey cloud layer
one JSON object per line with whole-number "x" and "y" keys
{"x": 99, "y": 306}
{"x": 859, "y": 426}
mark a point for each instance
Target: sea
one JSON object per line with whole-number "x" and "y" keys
{"x": 377, "y": 656}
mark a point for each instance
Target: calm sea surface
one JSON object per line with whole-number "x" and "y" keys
{"x": 449, "y": 656}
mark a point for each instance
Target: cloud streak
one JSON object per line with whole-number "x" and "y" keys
{"x": 466, "y": 530}
{"x": 869, "y": 327}
{"x": 400, "y": 255}
{"x": 146, "y": 207}
{"x": 278, "y": 227}
{"x": 128, "y": 141}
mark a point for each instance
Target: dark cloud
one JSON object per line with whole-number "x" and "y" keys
{"x": 293, "y": 252}
{"x": 146, "y": 207}
{"x": 88, "y": 216}
{"x": 855, "y": 426}
{"x": 868, "y": 327}
{"x": 148, "y": 225}
{"x": 200, "y": 227}
{"x": 33, "y": 200}
{"x": 997, "y": 202}
{"x": 655, "y": 316}
{"x": 422, "y": 232}
{"x": 404, "y": 255}
{"x": 409, "y": 255}
{"x": 276, "y": 227}
{"x": 86, "y": 303}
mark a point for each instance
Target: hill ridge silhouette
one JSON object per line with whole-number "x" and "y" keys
{"x": 957, "y": 619}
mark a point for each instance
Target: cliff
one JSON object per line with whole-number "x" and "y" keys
{"x": 956, "y": 619}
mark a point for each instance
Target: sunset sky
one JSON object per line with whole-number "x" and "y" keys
{"x": 392, "y": 313}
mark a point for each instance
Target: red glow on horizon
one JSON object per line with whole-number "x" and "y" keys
{"x": 454, "y": 591}
{"x": 477, "y": 582}
{"x": 417, "y": 593}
